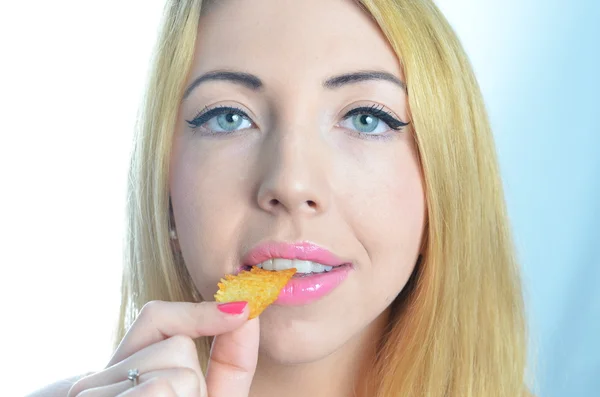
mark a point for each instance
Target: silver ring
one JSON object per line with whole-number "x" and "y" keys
{"x": 133, "y": 375}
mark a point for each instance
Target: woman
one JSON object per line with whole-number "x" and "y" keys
{"x": 336, "y": 133}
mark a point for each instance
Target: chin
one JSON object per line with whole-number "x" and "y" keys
{"x": 292, "y": 341}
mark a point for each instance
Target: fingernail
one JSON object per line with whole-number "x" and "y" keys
{"x": 232, "y": 307}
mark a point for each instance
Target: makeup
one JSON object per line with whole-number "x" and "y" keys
{"x": 319, "y": 270}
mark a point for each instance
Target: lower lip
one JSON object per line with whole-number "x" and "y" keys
{"x": 307, "y": 289}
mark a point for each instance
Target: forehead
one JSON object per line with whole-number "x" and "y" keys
{"x": 279, "y": 38}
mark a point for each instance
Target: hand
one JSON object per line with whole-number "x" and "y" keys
{"x": 160, "y": 345}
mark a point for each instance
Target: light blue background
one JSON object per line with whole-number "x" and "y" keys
{"x": 538, "y": 63}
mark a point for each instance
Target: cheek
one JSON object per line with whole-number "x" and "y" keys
{"x": 396, "y": 209}
{"x": 206, "y": 190}
{"x": 390, "y": 218}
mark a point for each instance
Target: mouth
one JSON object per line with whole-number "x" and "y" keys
{"x": 318, "y": 271}
{"x": 303, "y": 268}
{"x": 306, "y": 257}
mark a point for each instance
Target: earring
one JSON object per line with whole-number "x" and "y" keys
{"x": 172, "y": 234}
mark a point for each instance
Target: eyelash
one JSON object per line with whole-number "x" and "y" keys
{"x": 206, "y": 114}
{"x": 379, "y": 112}
{"x": 375, "y": 110}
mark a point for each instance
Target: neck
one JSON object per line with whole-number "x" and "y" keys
{"x": 340, "y": 374}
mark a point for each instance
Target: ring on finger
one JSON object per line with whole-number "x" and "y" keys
{"x": 133, "y": 375}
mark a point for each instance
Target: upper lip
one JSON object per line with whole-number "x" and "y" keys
{"x": 303, "y": 250}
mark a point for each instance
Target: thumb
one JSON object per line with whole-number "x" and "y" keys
{"x": 232, "y": 362}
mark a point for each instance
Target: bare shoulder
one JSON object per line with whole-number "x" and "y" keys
{"x": 58, "y": 389}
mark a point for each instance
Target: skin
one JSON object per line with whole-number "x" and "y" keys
{"x": 296, "y": 169}
{"x": 300, "y": 172}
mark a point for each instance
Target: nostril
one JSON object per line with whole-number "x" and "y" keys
{"x": 273, "y": 202}
{"x": 311, "y": 204}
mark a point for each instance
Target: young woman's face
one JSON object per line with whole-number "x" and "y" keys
{"x": 299, "y": 143}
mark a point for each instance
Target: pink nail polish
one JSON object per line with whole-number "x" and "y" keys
{"x": 232, "y": 307}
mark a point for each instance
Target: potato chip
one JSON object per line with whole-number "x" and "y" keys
{"x": 258, "y": 287}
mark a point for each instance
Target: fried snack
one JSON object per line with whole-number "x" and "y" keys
{"x": 258, "y": 287}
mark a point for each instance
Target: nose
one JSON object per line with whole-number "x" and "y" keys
{"x": 294, "y": 177}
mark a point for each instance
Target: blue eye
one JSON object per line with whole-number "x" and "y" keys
{"x": 365, "y": 122}
{"x": 227, "y": 121}
{"x": 221, "y": 120}
{"x": 371, "y": 121}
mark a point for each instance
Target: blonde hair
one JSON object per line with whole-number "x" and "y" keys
{"x": 458, "y": 328}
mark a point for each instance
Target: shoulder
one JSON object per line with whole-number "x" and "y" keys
{"x": 58, "y": 389}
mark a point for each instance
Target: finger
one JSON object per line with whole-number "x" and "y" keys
{"x": 159, "y": 320}
{"x": 176, "y": 352}
{"x": 154, "y": 387}
{"x": 106, "y": 391}
{"x": 183, "y": 381}
{"x": 232, "y": 361}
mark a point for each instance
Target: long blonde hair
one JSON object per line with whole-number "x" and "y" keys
{"x": 458, "y": 328}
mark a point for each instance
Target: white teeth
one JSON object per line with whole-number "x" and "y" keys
{"x": 267, "y": 263}
{"x": 282, "y": 264}
{"x": 300, "y": 265}
{"x": 304, "y": 266}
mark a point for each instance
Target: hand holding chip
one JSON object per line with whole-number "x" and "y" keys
{"x": 160, "y": 346}
{"x": 258, "y": 287}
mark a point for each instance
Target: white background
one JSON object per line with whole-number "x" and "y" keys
{"x": 71, "y": 78}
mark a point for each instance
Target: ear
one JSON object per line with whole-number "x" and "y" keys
{"x": 172, "y": 229}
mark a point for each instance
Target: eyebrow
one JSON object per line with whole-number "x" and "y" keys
{"x": 360, "y": 76}
{"x": 254, "y": 83}
{"x": 245, "y": 79}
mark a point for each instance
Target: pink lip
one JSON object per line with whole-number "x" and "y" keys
{"x": 303, "y": 250}
{"x": 306, "y": 289}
